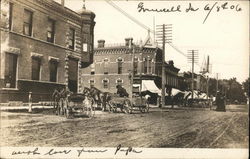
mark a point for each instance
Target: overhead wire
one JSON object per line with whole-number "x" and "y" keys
{"x": 143, "y": 26}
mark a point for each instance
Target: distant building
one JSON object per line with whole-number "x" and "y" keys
{"x": 113, "y": 66}
{"x": 43, "y": 47}
{"x": 200, "y": 81}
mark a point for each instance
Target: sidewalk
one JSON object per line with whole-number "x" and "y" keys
{"x": 25, "y": 107}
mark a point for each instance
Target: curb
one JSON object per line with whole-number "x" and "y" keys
{"x": 6, "y": 108}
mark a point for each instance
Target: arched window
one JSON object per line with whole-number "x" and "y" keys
{"x": 91, "y": 83}
{"x": 105, "y": 83}
{"x": 119, "y": 82}
{"x": 119, "y": 64}
{"x": 105, "y": 66}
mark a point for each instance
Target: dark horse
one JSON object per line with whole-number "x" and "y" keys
{"x": 97, "y": 95}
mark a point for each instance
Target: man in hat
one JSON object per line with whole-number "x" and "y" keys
{"x": 121, "y": 91}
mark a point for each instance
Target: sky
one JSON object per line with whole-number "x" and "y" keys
{"x": 224, "y": 36}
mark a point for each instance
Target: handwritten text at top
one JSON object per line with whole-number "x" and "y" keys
{"x": 215, "y": 7}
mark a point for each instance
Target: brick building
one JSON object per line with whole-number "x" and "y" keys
{"x": 200, "y": 81}
{"x": 43, "y": 47}
{"x": 113, "y": 66}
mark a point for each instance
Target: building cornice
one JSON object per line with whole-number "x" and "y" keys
{"x": 122, "y": 50}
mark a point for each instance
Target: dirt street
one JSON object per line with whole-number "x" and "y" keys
{"x": 175, "y": 128}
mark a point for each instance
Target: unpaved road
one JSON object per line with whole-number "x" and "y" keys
{"x": 175, "y": 128}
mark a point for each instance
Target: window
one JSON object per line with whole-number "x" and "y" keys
{"x": 10, "y": 15}
{"x": 92, "y": 83}
{"x": 36, "y": 66}
{"x": 119, "y": 82}
{"x": 105, "y": 83}
{"x": 119, "y": 60}
{"x": 85, "y": 47}
{"x": 145, "y": 66}
{"x": 53, "y": 70}
{"x": 71, "y": 38}
{"x": 27, "y": 24}
{"x": 10, "y": 70}
{"x": 51, "y": 31}
{"x": 149, "y": 66}
{"x": 135, "y": 65}
{"x": 105, "y": 66}
{"x": 92, "y": 67}
{"x": 73, "y": 74}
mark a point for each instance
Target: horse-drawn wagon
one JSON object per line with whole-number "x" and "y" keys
{"x": 69, "y": 104}
{"x": 128, "y": 105}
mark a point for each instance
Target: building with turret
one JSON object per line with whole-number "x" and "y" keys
{"x": 44, "y": 45}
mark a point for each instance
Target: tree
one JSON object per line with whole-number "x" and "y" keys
{"x": 245, "y": 85}
{"x": 235, "y": 91}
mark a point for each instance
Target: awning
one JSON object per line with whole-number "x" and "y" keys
{"x": 176, "y": 91}
{"x": 195, "y": 95}
{"x": 149, "y": 85}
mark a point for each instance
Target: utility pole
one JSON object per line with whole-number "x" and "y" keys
{"x": 193, "y": 58}
{"x": 164, "y": 35}
{"x": 217, "y": 74}
{"x": 132, "y": 47}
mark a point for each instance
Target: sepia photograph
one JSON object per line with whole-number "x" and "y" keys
{"x": 124, "y": 79}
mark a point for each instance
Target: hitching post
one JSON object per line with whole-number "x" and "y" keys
{"x": 30, "y": 102}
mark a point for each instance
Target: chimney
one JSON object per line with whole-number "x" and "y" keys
{"x": 101, "y": 43}
{"x": 171, "y": 63}
{"x": 62, "y": 3}
{"x": 128, "y": 41}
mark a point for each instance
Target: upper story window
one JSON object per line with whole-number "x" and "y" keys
{"x": 149, "y": 65}
{"x": 71, "y": 38}
{"x": 105, "y": 66}
{"x": 105, "y": 83}
{"x": 51, "y": 31}
{"x": 27, "y": 24}
{"x": 119, "y": 82}
{"x": 92, "y": 83}
{"x": 136, "y": 65}
{"x": 92, "y": 67}
{"x": 119, "y": 61}
{"x": 36, "y": 68}
{"x": 10, "y": 15}
{"x": 145, "y": 65}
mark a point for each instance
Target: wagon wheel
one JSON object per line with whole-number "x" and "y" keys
{"x": 112, "y": 107}
{"x": 127, "y": 107}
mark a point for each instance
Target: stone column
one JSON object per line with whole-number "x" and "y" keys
{"x": 79, "y": 81}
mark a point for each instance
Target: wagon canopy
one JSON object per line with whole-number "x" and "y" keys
{"x": 149, "y": 85}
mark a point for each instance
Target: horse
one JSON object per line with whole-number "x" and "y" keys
{"x": 62, "y": 98}
{"x": 96, "y": 94}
